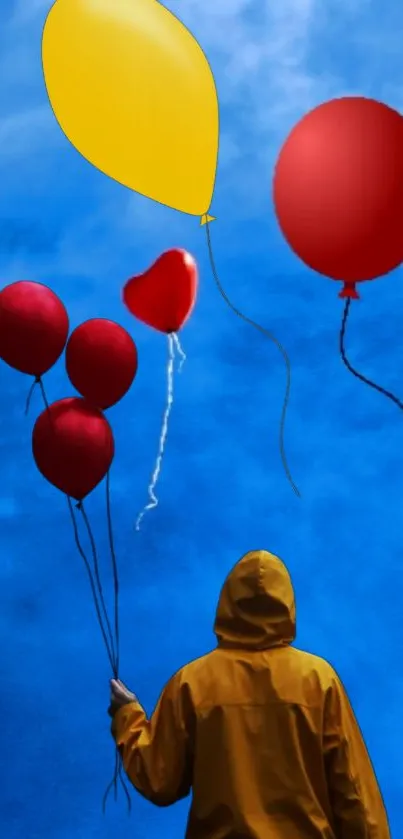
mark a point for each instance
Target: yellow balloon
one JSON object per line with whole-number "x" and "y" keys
{"x": 134, "y": 93}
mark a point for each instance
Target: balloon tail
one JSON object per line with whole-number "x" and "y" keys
{"x": 179, "y": 349}
{"x": 349, "y": 290}
{"x": 352, "y": 369}
{"x": 279, "y": 346}
{"x": 206, "y": 219}
{"x": 163, "y": 436}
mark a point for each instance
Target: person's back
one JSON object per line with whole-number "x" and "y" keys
{"x": 262, "y": 733}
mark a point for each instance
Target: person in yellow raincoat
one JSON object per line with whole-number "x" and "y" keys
{"x": 261, "y": 733}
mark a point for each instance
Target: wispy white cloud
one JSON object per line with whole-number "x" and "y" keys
{"x": 274, "y": 61}
{"x": 258, "y": 53}
{"x": 23, "y": 13}
{"x": 264, "y": 55}
{"x": 22, "y": 133}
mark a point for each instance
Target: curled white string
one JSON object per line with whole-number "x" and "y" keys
{"x": 181, "y": 353}
{"x": 153, "y": 502}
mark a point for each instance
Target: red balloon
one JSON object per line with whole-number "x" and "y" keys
{"x": 338, "y": 190}
{"x": 73, "y": 446}
{"x": 164, "y": 296}
{"x": 34, "y": 326}
{"x": 101, "y": 361}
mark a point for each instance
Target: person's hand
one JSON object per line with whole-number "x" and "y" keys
{"x": 120, "y": 696}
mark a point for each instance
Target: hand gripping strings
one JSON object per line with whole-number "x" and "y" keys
{"x": 118, "y": 772}
{"x": 111, "y": 644}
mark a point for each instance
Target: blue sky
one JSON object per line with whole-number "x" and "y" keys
{"x": 222, "y": 490}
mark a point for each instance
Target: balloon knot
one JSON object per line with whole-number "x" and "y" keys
{"x": 37, "y": 380}
{"x": 206, "y": 218}
{"x": 349, "y": 290}
{"x": 79, "y": 505}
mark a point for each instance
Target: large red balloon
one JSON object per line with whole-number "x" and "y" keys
{"x": 338, "y": 190}
{"x": 101, "y": 361}
{"x": 33, "y": 327}
{"x": 73, "y": 446}
{"x": 163, "y": 297}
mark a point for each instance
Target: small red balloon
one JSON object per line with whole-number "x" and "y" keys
{"x": 34, "y": 326}
{"x": 73, "y": 446}
{"x": 164, "y": 296}
{"x": 338, "y": 190}
{"x": 101, "y": 361}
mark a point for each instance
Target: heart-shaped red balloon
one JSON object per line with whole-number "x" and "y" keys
{"x": 163, "y": 297}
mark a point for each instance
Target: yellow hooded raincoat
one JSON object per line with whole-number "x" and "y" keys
{"x": 260, "y": 732}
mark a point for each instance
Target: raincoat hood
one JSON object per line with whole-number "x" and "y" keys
{"x": 256, "y": 609}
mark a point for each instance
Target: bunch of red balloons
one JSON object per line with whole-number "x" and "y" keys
{"x": 72, "y": 440}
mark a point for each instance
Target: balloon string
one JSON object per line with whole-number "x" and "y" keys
{"x": 163, "y": 436}
{"x": 80, "y": 507}
{"x": 114, "y": 571}
{"x": 92, "y": 583}
{"x": 279, "y": 346}
{"x": 123, "y": 783}
{"x": 118, "y": 773}
{"x": 181, "y": 353}
{"x": 30, "y": 394}
{"x": 355, "y": 372}
{"x": 113, "y": 784}
{"x": 43, "y": 392}
{"x": 37, "y": 381}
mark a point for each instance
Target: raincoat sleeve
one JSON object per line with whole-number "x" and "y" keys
{"x": 157, "y": 752}
{"x": 356, "y": 801}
